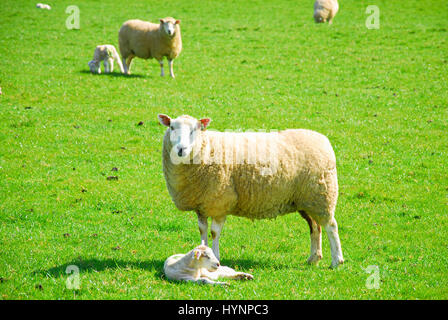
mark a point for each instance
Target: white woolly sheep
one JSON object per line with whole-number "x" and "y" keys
{"x": 106, "y": 53}
{"x": 148, "y": 40}
{"x": 200, "y": 265}
{"x": 325, "y": 10}
{"x": 43, "y": 6}
{"x": 253, "y": 175}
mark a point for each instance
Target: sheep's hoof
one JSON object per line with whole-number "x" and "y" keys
{"x": 314, "y": 259}
{"x": 244, "y": 276}
{"x": 336, "y": 264}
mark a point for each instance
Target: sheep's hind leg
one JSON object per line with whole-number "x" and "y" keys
{"x": 316, "y": 239}
{"x": 331, "y": 227}
{"x": 203, "y": 227}
{"x": 217, "y": 224}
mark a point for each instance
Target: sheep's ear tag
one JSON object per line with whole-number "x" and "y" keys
{"x": 204, "y": 123}
{"x": 197, "y": 254}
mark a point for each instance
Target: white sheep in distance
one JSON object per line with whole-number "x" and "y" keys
{"x": 108, "y": 54}
{"x": 200, "y": 265}
{"x": 325, "y": 10}
{"x": 148, "y": 40}
{"x": 263, "y": 175}
{"x": 43, "y": 6}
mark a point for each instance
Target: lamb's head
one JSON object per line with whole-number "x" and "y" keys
{"x": 94, "y": 66}
{"x": 203, "y": 257}
{"x": 184, "y": 132}
{"x": 169, "y": 26}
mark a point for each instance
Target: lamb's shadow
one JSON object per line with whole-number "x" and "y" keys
{"x": 97, "y": 265}
{"x": 114, "y": 74}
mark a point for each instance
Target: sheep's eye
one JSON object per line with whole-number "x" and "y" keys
{"x": 191, "y": 133}
{"x": 172, "y": 128}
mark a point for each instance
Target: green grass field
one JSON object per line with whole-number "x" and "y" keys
{"x": 381, "y": 96}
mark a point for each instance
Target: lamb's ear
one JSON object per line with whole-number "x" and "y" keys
{"x": 204, "y": 123}
{"x": 177, "y": 22}
{"x": 162, "y": 21}
{"x": 197, "y": 254}
{"x": 164, "y": 119}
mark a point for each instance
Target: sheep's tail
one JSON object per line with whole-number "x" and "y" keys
{"x": 117, "y": 57}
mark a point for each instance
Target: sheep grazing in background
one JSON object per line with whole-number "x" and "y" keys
{"x": 43, "y": 6}
{"x": 325, "y": 10}
{"x": 253, "y": 175}
{"x": 200, "y": 265}
{"x": 149, "y": 40}
{"x": 106, "y": 53}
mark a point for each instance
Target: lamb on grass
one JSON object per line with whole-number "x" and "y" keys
{"x": 200, "y": 265}
{"x": 325, "y": 10}
{"x": 253, "y": 175}
{"x": 108, "y": 54}
{"x": 148, "y": 40}
{"x": 43, "y": 6}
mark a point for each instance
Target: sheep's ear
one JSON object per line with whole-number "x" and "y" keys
{"x": 164, "y": 119}
{"x": 177, "y": 22}
{"x": 204, "y": 123}
{"x": 162, "y": 21}
{"x": 197, "y": 254}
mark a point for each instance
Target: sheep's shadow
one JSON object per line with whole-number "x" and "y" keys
{"x": 246, "y": 264}
{"x": 114, "y": 74}
{"x": 98, "y": 265}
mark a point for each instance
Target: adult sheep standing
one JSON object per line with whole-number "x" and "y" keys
{"x": 325, "y": 10}
{"x": 148, "y": 40}
{"x": 253, "y": 175}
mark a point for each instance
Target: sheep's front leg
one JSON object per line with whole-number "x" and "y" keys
{"x": 170, "y": 64}
{"x": 162, "y": 73}
{"x": 203, "y": 227}
{"x": 217, "y": 225}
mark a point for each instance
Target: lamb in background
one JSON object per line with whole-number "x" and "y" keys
{"x": 300, "y": 177}
{"x": 200, "y": 265}
{"x": 106, "y": 53}
{"x": 43, "y": 6}
{"x": 148, "y": 40}
{"x": 325, "y": 10}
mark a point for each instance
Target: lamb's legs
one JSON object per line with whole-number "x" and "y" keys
{"x": 331, "y": 227}
{"x": 106, "y": 66}
{"x": 226, "y": 272}
{"x": 162, "y": 73}
{"x": 170, "y": 64}
{"x": 217, "y": 224}
{"x": 203, "y": 228}
{"x": 316, "y": 239}
{"x": 111, "y": 65}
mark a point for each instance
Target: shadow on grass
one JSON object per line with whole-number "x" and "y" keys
{"x": 246, "y": 264}
{"x": 97, "y": 265}
{"x": 114, "y": 74}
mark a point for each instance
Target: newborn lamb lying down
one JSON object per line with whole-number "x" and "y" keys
{"x": 108, "y": 54}
{"x": 200, "y": 265}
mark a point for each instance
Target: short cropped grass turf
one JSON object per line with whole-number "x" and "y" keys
{"x": 380, "y": 95}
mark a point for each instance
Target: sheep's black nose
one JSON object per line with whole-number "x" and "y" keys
{"x": 218, "y": 264}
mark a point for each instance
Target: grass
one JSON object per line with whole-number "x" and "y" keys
{"x": 379, "y": 95}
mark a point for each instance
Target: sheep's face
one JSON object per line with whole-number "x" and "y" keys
{"x": 94, "y": 66}
{"x": 169, "y": 26}
{"x": 205, "y": 258}
{"x": 183, "y": 132}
